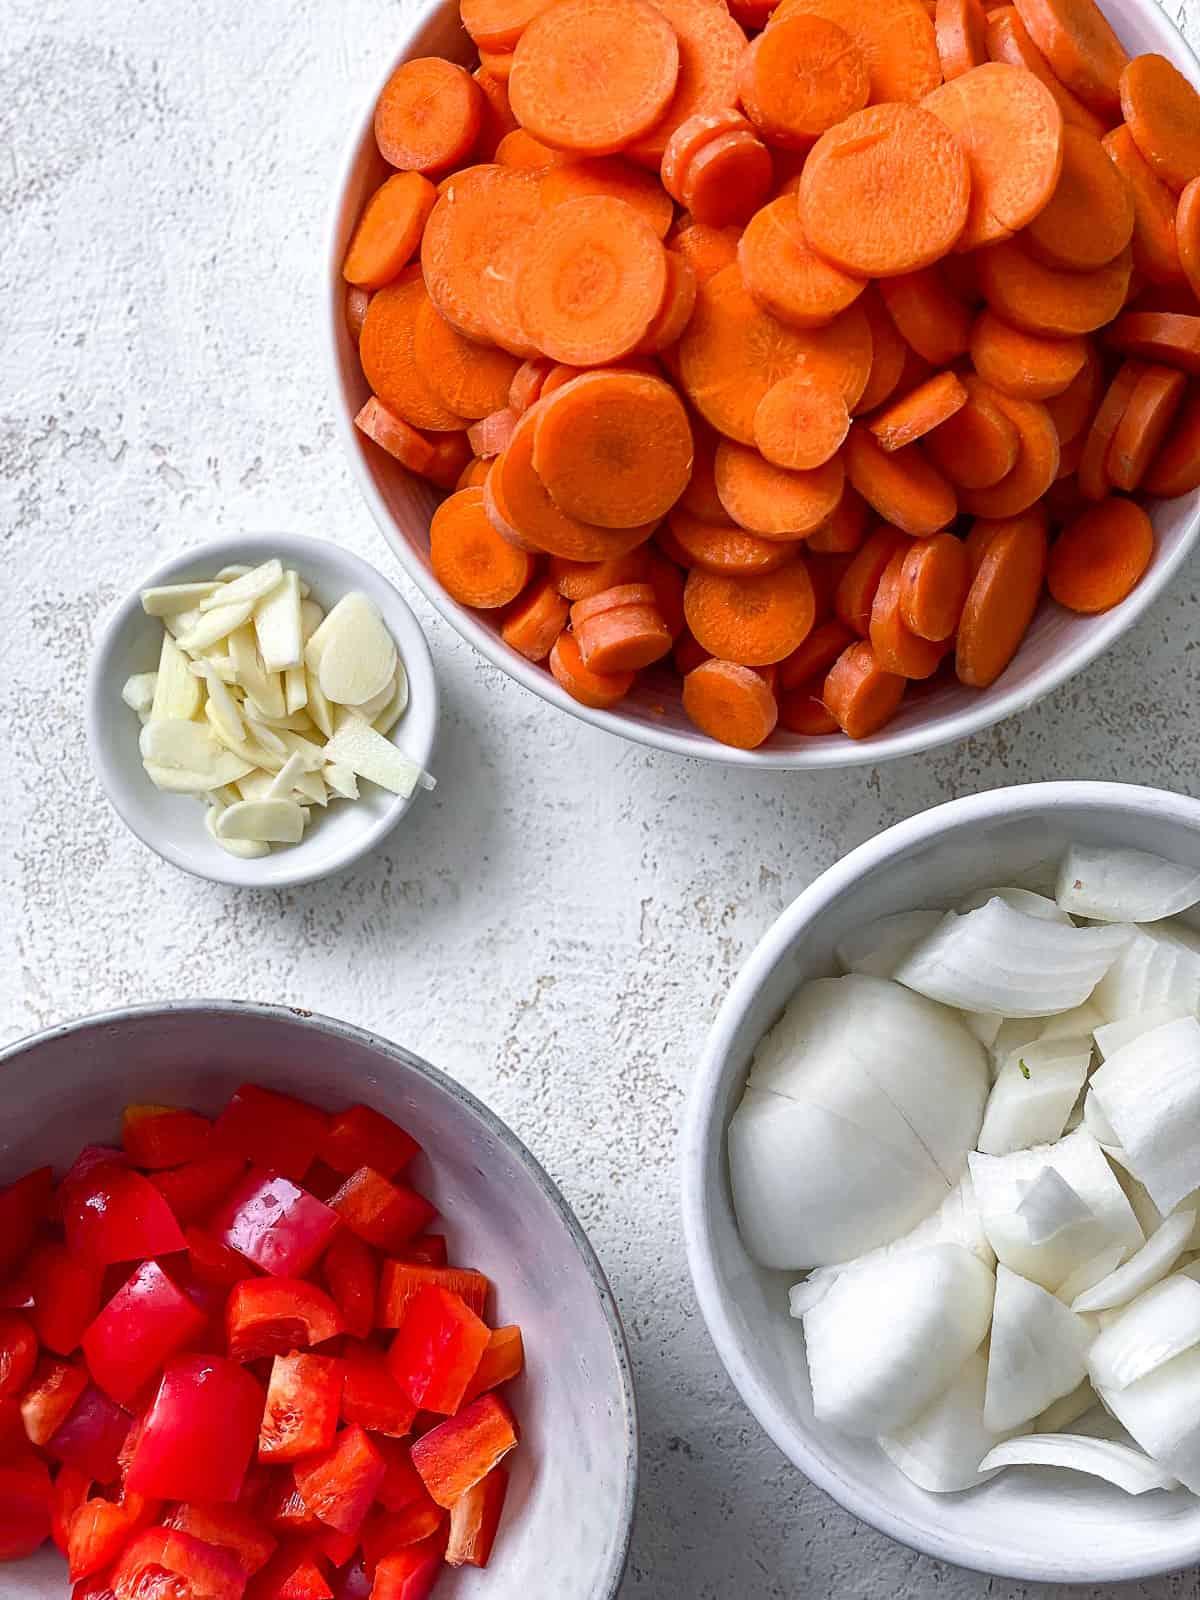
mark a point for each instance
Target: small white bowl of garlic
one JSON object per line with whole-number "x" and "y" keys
{"x": 262, "y": 709}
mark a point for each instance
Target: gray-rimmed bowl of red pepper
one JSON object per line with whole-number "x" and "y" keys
{"x": 568, "y": 1516}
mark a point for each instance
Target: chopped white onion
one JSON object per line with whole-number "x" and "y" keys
{"x": 803, "y": 1296}
{"x": 1061, "y": 1413}
{"x": 1152, "y": 1262}
{"x": 1033, "y": 905}
{"x": 1084, "y": 1019}
{"x": 1150, "y": 1093}
{"x": 1162, "y": 1412}
{"x": 1150, "y": 1218}
{"x": 1153, "y": 1329}
{"x": 1032, "y": 1096}
{"x": 1112, "y": 1036}
{"x": 1158, "y": 968}
{"x": 1096, "y": 1122}
{"x": 1049, "y": 1205}
{"x": 1090, "y": 1272}
{"x": 1123, "y": 885}
{"x": 1038, "y": 1352}
{"x": 941, "y": 1449}
{"x": 877, "y": 949}
{"x": 1100, "y": 1458}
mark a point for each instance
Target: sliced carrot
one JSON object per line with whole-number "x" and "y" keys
{"x": 753, "y": 620}
{"x": 1038, "y": 460}
{"x": 389, "y": 230}
{"x": 691, "y": 136}
{"x": 897, "y": 648}
{"x": 1008, "y": 40}
{"x": 783, "y": 272}
{"x": 687, "y": 654}
{"x": 861, "y": 694}
{"x": 1042, "y": 299}
{"x": 620, "y": 631}
{"x": 896, "y": 38}
{"x": 470, "y": 379}
{"x": 978, "y": 446}
{"x": 1073, "y": 409}
{"x": 497, "y": 64}
{"x": 1011, "y": 128}
{"x": 1187, "y": 235}
{"x": 1070, "y": 458}
{"x": 393, "y": 434}
{"x": 520, "y": 149}
{"x": 771, "y": 501}
{"x": 905, "y": 489}
{"x": 564, "y": 56}
{"x": 1175, "y": 470}
{"x": 731, "y": 703}
{"x": 1162, "y": 112}
{"x": 802, "y": 710}
{"x": 451, "y": 456}
{"x": 474, "y": 475}
{"x": 888, "y": 353}
{"x": 491, "y": 434}
{"x": 453, "y": 179}
{"x": 470, "y": 560}
{"x": 918, "y": 412}
{"x": 1099, "y": 558}
{"x": 592, "y": 280}
{"x": 1155, "y": 247}
{"x": 498, "y": 120}
{"x": 357, "y": 301}
{"x": 475, "y": 235}
{"x": 706, "y": 250}
{"x": 855, "y": 593}
{"x": 814, "y": 657}
{"x": 1089, "y": 217}
{"x": 801, "y": 422}
{"x": 1001, "y": 600}
{"x": 526, "y": 385}
{"x": 728, "y": 179}
{"x": 667, "y": 581}
{"x": 711, "y": 46}
{"x": 960, "y": 27}
{"x": 934, "y": 579}
{"x": 498, "y": 24}
{"x": 1094, "y": 482}
{"x": 535, "y": 620}
{"x": 701, "y": 497}
{"x": 579, "y": 580}
{"x": 613, "y": 448}
{"x": 1081, "y": 48}
{"x": 801, "y": 77}
{"x": 597, "y": 690}
{"x": 558, "y": 377}
{"x": 1158, "y": 336}
{"x": 609, "y": 175}
{"x": 898, "y": 166}
{"x": 730, "y": 551}
{"x": 428, "y": 116}
{"x": 1148, "y": 415}
{"x": 932, "y": 319}
{"x": 679, "y": 301}
{"x": 826, "y": 572}
{"x": 751, "y": 13}
{"x": 845, "y": 530}
{"x": 387, "y": 351}
{"x": 1027, "y": 365}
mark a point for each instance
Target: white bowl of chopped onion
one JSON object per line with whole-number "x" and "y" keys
{"x": 946, "y": 1238}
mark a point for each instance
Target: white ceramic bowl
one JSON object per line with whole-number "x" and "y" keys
{"x": 1059, "y": 643}
{"x": 129, "y": 641}
{"x": 570, "y": 1504}
{"x": 1034, "y": 1524}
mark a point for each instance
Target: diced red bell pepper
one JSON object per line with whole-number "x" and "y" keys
{"x": 384, "y": 1213}
{"x": 275, "y": 1224}
{"x": 50, "y": 1398}
{"x": 360, "y": 1137}
{"x": 111, "y": 1213}
{"x": 301, "y": 1415}
{"x": 427, "y": 1249}
{"x": 354, "y": 1583}
{"x": 259, "y": 1484}
{"x": 322, "y": 1180}
{"x": 164, "y": 1564}
{"x": 22, "y": 1206}
{"x": 199, "y": 1434}
{"x": 334, "y": 1546}
{"x": 402, "y": 1485}
{"x": 18, "y": 1353}
{"x": 460, "y": 1451}
{"x": 271, "y": 1316}
{"x": 211, "y": 1261}
{"x": 16, "y": 1292}
{"x": 156, "y": 1137}
{"x": 436, "y": 1352}
{"x": 474, "y": 1520}
{"x": 385, "y": 1531}
{"x": 370, "y": 1395}
{"x": 410, "y": 1573}
{"x": 25, "y": 1498}
{"x": 13, "y": 1439}
{"x": 273, "y": 1130}
{"x": 71, "y": 1488}
{"x": 229, "y": 1528}
{"x": 97, "y": 1588}
{"x": 92, "y": 1435}
{"x": 400, "y": 1282}
{"x": 339, "y": 1485}
{"x": 193, "y": 1191}
{"x": 66, "y": 1295}
{"x": 502, "y": 1361}
{"x": 286, "y": 1509}
{"x": 146, "y": 1321}
{"x": 291, "y": 1574}
{"x": 100, "y": 1529}
{"x": 350, "y": 1271}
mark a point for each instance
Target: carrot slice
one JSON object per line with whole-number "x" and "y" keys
{"x": 904, "y": 488}
{"x": 357, "y": 301}
{"x": 473, "y": 240}
{"x": 598, "y": 690}
{"x": 785, "y": 275}
{"x": 497, "y": 64}
{"x": 801, "y": 77}
{"x": 1175, "y": 470}
{"x": 1042, "y": 299}
{"x": 960, "y": 27}
{"x": 897, "y": 648}
{"x": 1073, "y": 409}
{"x": 978, "y": 446}
{"x": 393, "y": 434}
{"x": 1025, "y": 365}
{"x": 845, "y": 530}
{"x": 527, "y": 382}
{"x": 470, "y": 560}
{"x": 474, "y": 475}
{"x": 753, "y": 620}
{"x": 667, "y": 581}
{"x": 888, "y": 353}
{"x": 387, "y": 351}
{"x": 389, "y": 230}
{"x": 679, "y": 301}
{"x": 491, "y": 434}
{"x": 687, "y": 654}
{"x": 1089, "y": 218}
{"x": 855, "y": 592}
{"x": 609, "y": 175}
{"x": 886, "y": 191}
{"x": 579, "y": 580}
{"x": 771, "y": 501}
{"x": 498, "y": 120}
{"x": 801, "y": 710}
{"x": 622, "y": 639}
{"x": 1001, "y": 600}
{"x": 691, "y": 136}
{"x": 470, "y": 379}
{"x": 558, "y": 377}
{"x": 1162, "y": 112}
{"x": 521, "y": 149}
{"x": 933, "y": 320}
{"x": 814, "y": 657}
{"x": 1187, "y": 235}
{"x": 565, "y": 55}
{"x": 934, "y": 579}
{"x": 896, "y": 38}
{"x": 1155, "y": 247}
{"x": 1008, "y": 40}
{"x": 1149, "y": 413}
{"x": 498, "y": 24}
{"x": 451, "y": 455}
{"x": 728, "y": 179}
{"x": 1099, "y": 559}
{"x": 1094, "y": 482}
{"x": 1038, "y": 459}
{"x": 861, "y": 694}
{"x": 801, "y": 422}
{"x": 731, "y": 703}
{"x": 919, "y": 412}
{"x": 429, "y": 115}
{"x": 1081, "y": 47}
{"x": 535, "y": 620}
{"x": 711, "y": 46}
{"x": 706, "y": 250}
{"x": 1158, "y": 336}
{"x": 701, "y": 497}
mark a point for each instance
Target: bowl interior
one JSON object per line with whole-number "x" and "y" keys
{"x": 173, "y": 824}
{"x": 1059, "y": 643}
{"x": 1026, "y": 1523}
{"x": 570, "y": 1496}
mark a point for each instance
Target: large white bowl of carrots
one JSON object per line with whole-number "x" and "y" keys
{"x": 795, "y": 386}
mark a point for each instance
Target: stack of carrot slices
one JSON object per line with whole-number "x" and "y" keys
{"x": 804, "y": 359}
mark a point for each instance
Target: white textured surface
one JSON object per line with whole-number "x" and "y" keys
{"x": 557, "y": 924}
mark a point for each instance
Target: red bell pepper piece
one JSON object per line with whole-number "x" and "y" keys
{"x": 71, "y": 1488}
{"x": 163, "y": 1136}
{"x": 211, "y": 1261}
{"x": 502, "y": 1361}
{"x": 301, "y": 1415}
{"x": 16, "y": 1293}
{"x": 385, "y": 1531}
{"x": 13, "y": 1439}
{"x": 370, "y": 1395}
{"x": 400, "y": 1282}
{"x": 18, "y": 1353}
{"x": 428, "y": 1249}
{"x": 334, "y": 1546}
{"x": 474, "y": 1520}
{"x": 100, "y": 1529}
{"x": 436, "y": 1352}
{"x": 92, "y": 1435}
{"x": 339, "y": 1485}
{"x": 146, "y": 1321}
{"x": 460, "y": 1451}
{"x": 360, "y": 1137}
{"x": 291, "y": 1574}
{"x": 271, "y": 1316}
{"x": 275, "y": 1224}
{"x": 25, "y": 1495}
{"x": 352, "y": 1276}
{"x": 50, "y": 1398}
{"x": 22, "y": 1206}
{"x": 97, "y": 1588}
{"x": 410, "y": 1573}
{"x": 322, "y": 1180}
{"x": 111, "y": 1213}
{"x": 229, "y": 1528}
{"x": 273, "y": 1130}
{"x": 384, "y": 1213}
{"x": 163, "y": 1562}
{"x": 402, "y": 1485}
{"x": 66, "y": 1295}
{"x": 200, "y": 1432}
{"x": 199, "y": 1187}
{"x": 286, "y": 1509}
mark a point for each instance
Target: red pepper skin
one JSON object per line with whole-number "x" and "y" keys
{"x": 22, "y": 1206}
{"x": 18, "y": 1353}
{"x": 371, "y": 1396}
{"x": 156, "y": 1137}
{"x": 92, "y": 1435}
{"x": 352, "y": 1277}
{"x": 455, "y": 1455}
{"x": 229, "y": 1528}
{"x": 211, "y": 1261}
{"x": 272, "y": 1316}
{"x": 275, "y": 1224}
{"x": 273, "y": 1130}
{"x": 97, "y": 1588}
{"x": 400, "y": 1282}
{"x": 25, "y": 1496}
{"x": 503, "y": 1360}
{"x": 199, "y": 1434}
{"x": 291, "y": 1574}
{"x": 50, "y": 1398}
{"x": 385, "y": 1531}
{"x": 198, "y": 1571}
{"x": 71, "y": 1486}
{"x": 194, "y": 1190}
{"x": 301, "y": 1415}
{"x": 437, "y": 1350}
{"x": 384, "y": 1213}
{"x": 360, "y": 1137}
{"x": 112, "y": 1213}
{"x": 146, "y": 1321}
{"x": 427, "y": 1250}
{"x": 339, "y": 1485}
{"x": 286, "y": 1510}
{"x": 66, "y": 1296}
{"x": 475, "y": 1519}
{"x": 100, "y": 1529}
{"x": 402, "y": 1485}
{"x": 411, "y": 1573}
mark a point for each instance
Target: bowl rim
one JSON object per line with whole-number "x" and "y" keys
{"x": 400, "y": 1056}
{"x": 985, "y": 710}
{"x": 699, "y": 1130}
{"x": 290, "y": 868}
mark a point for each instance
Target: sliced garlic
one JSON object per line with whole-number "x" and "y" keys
{"x": 356, "y": 745}
{"x": 285, "y": 779}
{"x": 277, "y": 625}
{"x": 244, "y": 849}
{"x": 295, "y": 689}
{"x": 357, "y": 653}
{"x": 251, "y": 586}
{"x": 263, "y": 687}
{"x": 319, "y": 708}
{"x": 176, "y": 692}
{"x": 341, "y": 780}
{"x": 138, "y": 691}
{"x": 214, "y": 625}
{"x": 265, "y": 821}
{"x": 170, "y": 598}
{"x": 396, "y": 706}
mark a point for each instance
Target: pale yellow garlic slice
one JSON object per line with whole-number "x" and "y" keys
{"x": 265, "y": 821}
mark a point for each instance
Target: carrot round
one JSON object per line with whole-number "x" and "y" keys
{"x": 1073, "y": 409}
{"x": 609, "y": 175}
{"x": 897, "y": 648}
{"x": 701, "y": 497}
{"x": 920, "y": 411}
{"x": 785, "y": 275}
{"x": 888, "y": 353}
{"x": 770, "y": 500}
{"x": 1038, "y": 459}
{"x": 905, "y": 489}
{"x": 896, "y": 38}
{"x": 728, "y": 179}
{"x": 496, "y": 25}
{"x": 1100, "y": 557}
{"x": 521, "y": 149}
{"x": 667, "y": 581}
{"x": 497, "y": 64}
{"x": 1089, "y": 218}
{"x": 1008, "y": 40}
{"x": 474, "y": 475}
{"x": 594, "y": 75}
{"x": 620, "y": 631}
{"x": 754, "y": 620}
{"x": 491, "y": 434}
{"x": 690, "y": 136}
{"x": 357, "y": 301}
{"x": 1165, "y": 336}
{"x": 861, "y": 694}
{"x": 613, "y": 448}
{"x": 393, "y": 434}
{"x": 475, "y": 235}
{"x": 675, "y": 312}
{"x": 470, "y": 560}
{"x": 1149, "y": 413}
{"x": 802, "y": 710}
{"x": 934, "y": 579}
{"x": 855, "y": 592}
{"x": 711, "y": 46}
{"x": 498, "y": 120}
{"x": 1162, "y": 112}
{"x": 801, "y": 77}
{"x": 389, "y": 230}
{"x": 580, "y": 580}
{"x": 801, "y": 422}
{"x": 451, "y": 455}
{"x": 535, "y": 620}
{"x": 470, "y": 379}
{"x": 731, "y": 703}
{"x": 1187, "y": 235}
{"x": 886, "y": 191}
{"x": 1026, "y": 365}
{"x": 1043, "y": 299}
{"x": 845, "y": 530}
{"x": 814, "y": 657}
{"x": 932, "y": 319}
{"x": 1094, "y": 481}
{"x": 978, "y": 446}
{"x": 527, "y": 382}
{"x": 1001, "y": 600}
{"x": 1175, "y": 470}
{"x": 1081, "y": 47}
{"x": 1155, "y": 248}
{"x": 706, "y": 250}
{"x": 598, "y": 690}
{"x": 428, "y": 116}
{"x": 960, "y": 27}
{"x": 386, "y": 349}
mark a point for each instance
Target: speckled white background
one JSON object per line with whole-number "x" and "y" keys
{"x": 557, "y": 925}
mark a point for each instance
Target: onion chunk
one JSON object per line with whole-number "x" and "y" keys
{"x": 1152, "y": 1262}
{"x": 1123, "y": 885}
{"x": 1153, "y": 1329}
{"x": 1127, "y": 1468}
{"x": 1038, "y": 1352}
{"x": 1150, "y": 1093}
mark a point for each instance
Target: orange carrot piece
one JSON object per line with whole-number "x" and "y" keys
{"x": 960, "y": 27}
{"x": 1026, "y": 365}
{"x": 1187, "y": 235}
{"x": 701, "y": 497}
{"x": 826, "y": 572}
{"x": 667, "y": 581}
{"x": 687, "y": 654}
{"x": 566, "y": 54}
{"x": 498, "y": 65}
{"x": 905, "y": 489}
{"x": 1081, "y": 47}
{"x": 393, "y": 434}
{"x": 706, "y": 250}
{"x": 800, "y": 78}
{"x": 559, "y": 376}
{"x": 934, "y": 321}
{"x": 474, "y": 475}
{"x": 389, "y": 230}
{"x": 535, "y": 621}
{"x": 1155, "y": 247}
{"x": 897, "y": 648}
{"x": 934, "y": 579}
{"x": 594, "y": 689}
{"x": 751, "y": 13}
{"x": 520, "y": 149}
{"x": 729, "y": 551}
{"x": 497, "y": 24}
{"x": 1002, "y": 599}
{"x": 470, "y": 379}
{"x": 802, "y": 710}
{"x": 731, "y": 703}
{"x": 1162, "y": 112}
{"x": 527, "y": 382}
{"x": 679, "y": 301}
{"x": 1089, "y": 218}
{"x": 978, "y": 446}
{"x": 1038, "y": 459}
{"x": 1073, "y": 409}
{"x": 498, "y": 120}
{"x": 900, "y": 166}
{"x": 1099, "y": 558}
{"x": 1011, "y": 128}
{"x": 428, "y": 116}
{"x": 691, "y": 136}
{"x": 1158, "y": 336}
{"x": 1094, "y": 482}
{"x": 728, "y": 179}
{"x": 609, "y": 175}
{"x": 896, "y": 38}
{"x": 1148, "y": 415}
{"x": 816, "y": 654}
{"x": 1008, "y": 40}
{"x": 470, "y": 560}
{"x": 801, "y": 422}
{"x": 845, "y": 530}
{"x": 770, "y": 500}
{"x": 387, "y": 351}
{"x": 785, "y": 275}
{"x": 711, "y": 46}
{"x": 622, "y": 639}
{"x": 579, "y": 580}
{"x": 1043, "y": 299}
{"x": 855, "y": 593}
{"x": 861, "y": 694}
{"x": 357, "y": 301}
{"x": 451, "y": 455}
{"x": 1175, "y": 470}
{"x": 919, "y": 412}
{"x": 475, "y": 236}
{"x": 889, "y": 352}
{"x": 617, "y": 597}
{"x": 753, "y": 620}
{"x": 491, "y": 434}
